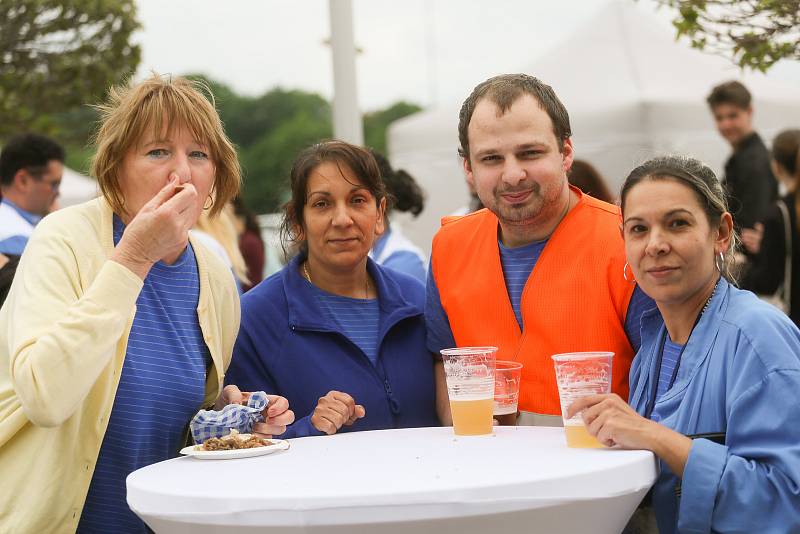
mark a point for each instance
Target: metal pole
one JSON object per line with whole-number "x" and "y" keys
{"x": 347, "y": 122}
{"x": 430, "y": 47}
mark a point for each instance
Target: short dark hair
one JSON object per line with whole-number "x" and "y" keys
{"x": 732, "y": 92}
{"x": 28, "y": 151}
{"x": 357, "y": 159}
{"x": 504, "y": 90}
{"x": 786, "y": 150}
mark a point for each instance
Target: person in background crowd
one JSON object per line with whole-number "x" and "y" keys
{"x": 542, "y": 269}
{"x": 31, "y": 167}
{"x": 714, "y": 385}
{"x": 8, "y": 266}
{"x": 118, "y": 326}
{"x": 392, "y": 249}
{"x": 340, "y": 336}
{"x": 767, "y": 242}
{"x": 749, "y": 182}
{"x": 218, "y": 234}
{"x": 251, "y": 245}
{"x": 585, "y": 177}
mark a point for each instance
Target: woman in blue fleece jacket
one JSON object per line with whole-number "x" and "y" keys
{"x": 714, "y": 386}
{"x": 335, "y": 333}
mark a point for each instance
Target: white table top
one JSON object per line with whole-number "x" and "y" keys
{"x": 390, "y": 476}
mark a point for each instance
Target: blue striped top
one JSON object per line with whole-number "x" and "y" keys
{"x": 162, "y": 385}
{"x": 357, "y": 320}
{"x": 517, "y": 266}
{"x": 670, "y": 358}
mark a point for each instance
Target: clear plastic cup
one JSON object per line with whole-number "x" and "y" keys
{"x": 507, "y": 376}
{"x": 580, "y": 374}
{"x": 470, "y": 386}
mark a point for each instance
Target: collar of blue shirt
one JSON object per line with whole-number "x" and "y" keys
{"x": 32, "y": 218}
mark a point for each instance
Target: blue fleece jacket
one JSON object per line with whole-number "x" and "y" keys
{"x": 288, "y": 346}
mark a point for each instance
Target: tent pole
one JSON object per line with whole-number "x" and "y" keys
{"x": 347, "y": 122}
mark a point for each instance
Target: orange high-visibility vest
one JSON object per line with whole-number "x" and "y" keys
{"x": 575, "y": 299}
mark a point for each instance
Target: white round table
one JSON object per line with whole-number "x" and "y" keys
{"x": 521, "y": 479}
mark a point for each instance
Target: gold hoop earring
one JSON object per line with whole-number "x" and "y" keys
{"x": 211, "y": 205}
{"x": 625, "y": 274}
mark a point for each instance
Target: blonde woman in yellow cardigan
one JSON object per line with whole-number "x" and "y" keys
{"x": 118, "y": 326}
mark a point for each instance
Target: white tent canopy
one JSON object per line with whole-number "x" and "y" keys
{"x": 632, "y": 92}
{"x": 76, "y": 188}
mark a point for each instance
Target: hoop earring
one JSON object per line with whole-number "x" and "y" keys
{"x": 625, "y": 273}
{"x": 720, "y": 265}
{"x": 206, "y": 208}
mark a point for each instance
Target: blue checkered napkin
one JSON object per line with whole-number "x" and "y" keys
{"x": 216, "y": 424}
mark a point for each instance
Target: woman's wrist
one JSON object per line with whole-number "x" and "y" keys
{"x": 671, "y": 446}
{"x": 139, "y": 267}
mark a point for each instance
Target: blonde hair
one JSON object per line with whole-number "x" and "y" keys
{"x": 222, "y": 229}
{"x": 131, "y": 110}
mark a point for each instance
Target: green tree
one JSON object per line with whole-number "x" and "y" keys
{"x": 269, "y": 131}
{"x": 377, "y": 122}
{"x": 268, "y": 162}
{"x": 263, "y": 115}
{"x": 58, "y": 54}
{"x": 754, "y": 33}
{"x": 73, "y": 129}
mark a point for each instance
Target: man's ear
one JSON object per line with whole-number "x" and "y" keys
{"x": 22, "y": 180}
{"x": 749, "y": 112}
{"x": 567, "y": 154}
{"x": 470, "y": 178}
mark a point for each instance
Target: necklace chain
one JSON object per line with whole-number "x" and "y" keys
{"x": 711, "y": 296}
{"x": 308, "y": 277}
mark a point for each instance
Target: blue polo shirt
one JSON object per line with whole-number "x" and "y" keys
{"x": 16, "y": 224}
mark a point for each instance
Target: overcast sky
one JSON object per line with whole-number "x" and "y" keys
{"x": 423, "y": 51}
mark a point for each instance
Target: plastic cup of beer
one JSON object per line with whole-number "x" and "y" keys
{"x": 507, "y": 376}
{"x": 580, "y": 374}
{"x": 470, "y": 386}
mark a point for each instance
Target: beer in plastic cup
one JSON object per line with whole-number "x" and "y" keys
{"x": 470, "y": 386}
{"x": 506, "y": 387}
{"x": 580, "y": 374}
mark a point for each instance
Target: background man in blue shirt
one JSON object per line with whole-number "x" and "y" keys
{"x": 31, "y": 167}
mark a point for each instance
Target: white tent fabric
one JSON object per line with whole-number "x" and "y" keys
{"x": 632, "y": 92}
{"x": 76, "y": 188}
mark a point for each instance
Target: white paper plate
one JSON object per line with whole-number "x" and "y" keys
{"x": 277, "y": 445}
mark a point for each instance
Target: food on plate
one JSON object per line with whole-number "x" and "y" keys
{"x": 233, "y": 441}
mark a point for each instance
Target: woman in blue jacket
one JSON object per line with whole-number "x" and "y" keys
{"x": 715, "y": 384}
{"x": 335, "y": 333}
